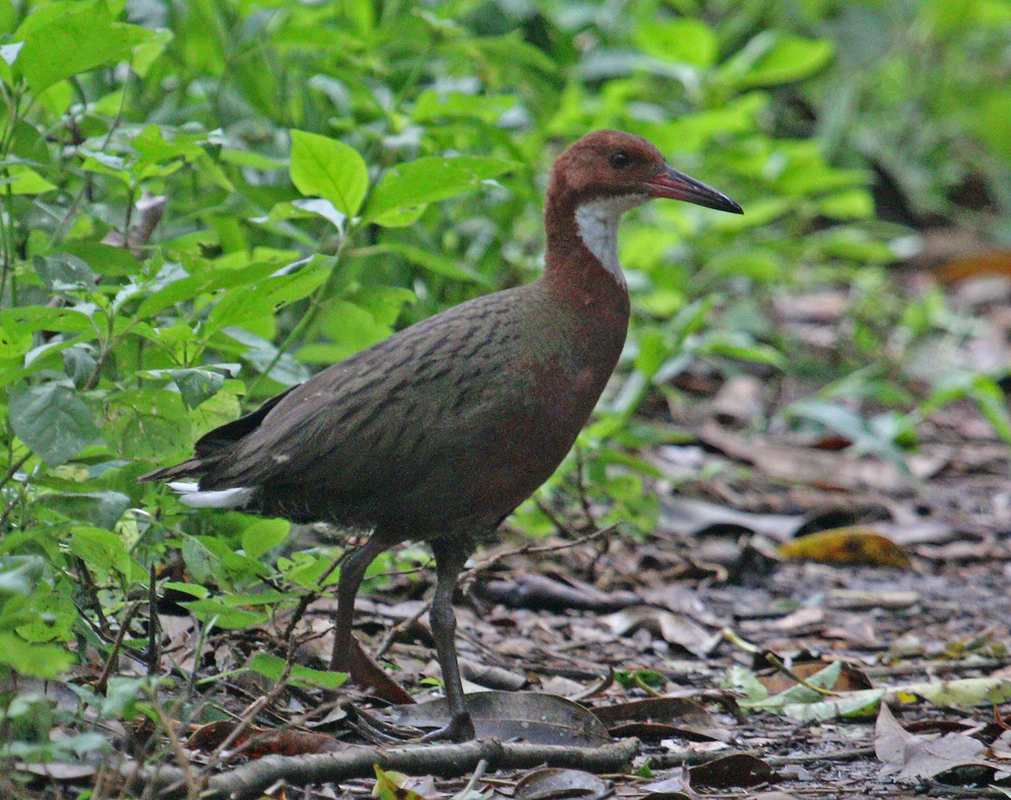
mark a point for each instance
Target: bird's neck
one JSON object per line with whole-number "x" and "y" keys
{"x": 581, "y": 259}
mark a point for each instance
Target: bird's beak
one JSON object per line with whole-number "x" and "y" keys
{"x": 677, "y": 186}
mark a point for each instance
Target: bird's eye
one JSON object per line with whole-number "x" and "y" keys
{"x": 620, "y": 159}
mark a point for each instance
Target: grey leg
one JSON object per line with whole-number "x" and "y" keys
{"x": 450, "y": 557}
{"x": 352, "y": 574}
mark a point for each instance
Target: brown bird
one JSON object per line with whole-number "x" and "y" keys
{"x": 438, "y": 432}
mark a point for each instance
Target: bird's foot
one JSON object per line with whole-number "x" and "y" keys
{"x": 459, "y": 729}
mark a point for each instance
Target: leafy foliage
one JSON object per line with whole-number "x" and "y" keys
{"x": 204, "y": 201}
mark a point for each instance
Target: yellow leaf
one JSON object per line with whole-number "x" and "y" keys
{"x": 850, "y": 545}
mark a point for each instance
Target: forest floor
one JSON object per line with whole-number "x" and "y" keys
{"x": 800, "y": 622}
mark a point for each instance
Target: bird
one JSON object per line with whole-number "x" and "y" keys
{"x": 438, "y": 432}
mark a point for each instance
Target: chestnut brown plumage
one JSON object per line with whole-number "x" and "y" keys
{"x": 438, "y": 432}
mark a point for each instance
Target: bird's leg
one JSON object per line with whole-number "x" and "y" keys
{"x": 450, "y": 556}
{"x": 352, "y": 573}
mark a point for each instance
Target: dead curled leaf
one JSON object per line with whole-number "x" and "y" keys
{"x": 552, "y": 783}
{"x": 738, "y": 769}
{"x": 673, "y": 628}
{"x": 662, "y": 717}
{"x": 257, "y": 742}
{"x": 913, "y": 757}
{"x": 527, "y": 716}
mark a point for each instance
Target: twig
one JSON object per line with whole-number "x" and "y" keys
{"x": 479, "y": 770}
{"x": 532, "y": 548}
{"x": 251, "y": 712}
{"x": 602, "y": 685}
{"x": 14, "y": 467}
{"x": 449, "y": 760}
{"x": 113, "y": 659}
{"x": 306, "y": 599}
{"x": 404, "y": 624}
{"x": 781, "y": 667}
{"x": 153, "y": 649}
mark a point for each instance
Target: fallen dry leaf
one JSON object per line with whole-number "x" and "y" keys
{"x": 851, "y": 545}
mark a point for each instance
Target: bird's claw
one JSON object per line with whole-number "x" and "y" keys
{"x": 459, "y": 729}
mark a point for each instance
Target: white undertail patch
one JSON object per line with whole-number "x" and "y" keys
{"x": 597, "y": 223}
{"x": 190, "y": 495}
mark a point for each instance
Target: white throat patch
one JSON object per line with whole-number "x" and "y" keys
{"x": 597, "y": 223}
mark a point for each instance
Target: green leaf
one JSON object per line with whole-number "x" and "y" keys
{"x": 101, "y": 549}
{"x": 102, "y": 509}
{"x": 684, "y": 40}
{"x": 273, "y": 667}
{"x": 103, "y": 258}
{"x": 25, "y": 180}
{"x": 426, "y": 180}
{"x": 327, "y": 168}
{"x": 45, "y": 661}
{"x": 52, "y": 616}
{"x": 432, "y": 261}
{"x": 223, "y": 615}
{"x": 772, "y": 58}
{"x": 52, "y": 420}
{"x": 178, "y": 286}
{"x": 42, "y": 318}
{"x": 432, "y": 105}
{"x": 264, "y": 535}
{"x": 248, "y": 303}
{"x": 62, "y": 272}
{"x": 20, "y": 574}
{"x": 148, "y": 51}
{"x": 197, "y": 385}
{"x": 76, "y": 37}
{"x": 148, "y": 424}
{"x": 202, "y": 564}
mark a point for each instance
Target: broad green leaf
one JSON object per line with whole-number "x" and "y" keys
{"x": 45, "y": 661}
{"x": 53, "y": 615}
{"x": 432, "y": 104}
{"x": 102, "y": 509}
{"x": 202, "y": 564}
{"x": 264, "y": 535}
{"x": 426, "y": 180}
{"x": 307, "y": 569}
{"x": 262, "y": 354}
{"x": 432, "y": 261}
{"x": 773, "y": 57}
{"x": 101, "y": 549}
{"x": 14, "y": 344}
{"x": 223, "y": 615}
{"x": 52, "y": 420}
{"x": 962, "y": 693}
{"x": 328, "y": 168}
{"x": 217, "y": 410}
{"x": 187, "y": 287}
{"x": 684, "y": 40}
{"x": 863, "y": 703}
{"x": 32, "y": 319}
{"x": 103, "y": 258}
{"x": 20, "y": 574}
{"x": 25, "y": 180}
{"x": 149, "y": 50}
{"x": 266, "y": 297}
{"x": 197, "y": 385}
{"x": 147, "y": 424}
{"x": 77, "y": 37}
{"x": 62, "y": 272}
{"x": 824, "y": 679}
{"x": 272, "y": 667}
